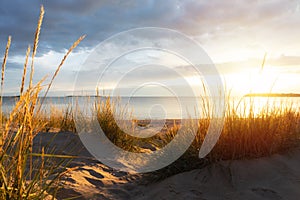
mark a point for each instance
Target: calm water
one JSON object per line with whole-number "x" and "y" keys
{"x": 168, "y": 107}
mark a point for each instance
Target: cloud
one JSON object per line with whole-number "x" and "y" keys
{"x": 45, "y": 65}
{"x": 101, "y": 19}
{"x": 285, "y": 61}
{"x": 283, "y": 64}
{"x": 230, "y": 31}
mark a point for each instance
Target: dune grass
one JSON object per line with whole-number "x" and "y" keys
{"x": 252, "y": 134}
{"x": 246, "y": 134}
{"x": 58, "y": 119}
{"x": 249, "y": 132}
{"x": 24, "y": 172}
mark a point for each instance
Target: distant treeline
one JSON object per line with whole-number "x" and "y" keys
{"x": 272, "y": 95}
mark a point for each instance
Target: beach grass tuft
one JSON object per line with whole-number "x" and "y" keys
{"x": 28, "y": 172}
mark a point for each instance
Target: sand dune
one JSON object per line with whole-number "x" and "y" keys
{"x": 275, "y": 177}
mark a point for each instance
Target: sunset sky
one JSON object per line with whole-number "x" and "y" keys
{"x": 235, "y": 34}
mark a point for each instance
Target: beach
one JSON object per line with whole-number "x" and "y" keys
{"x": 273, "y": 177}
{"x": 176, "y": 100}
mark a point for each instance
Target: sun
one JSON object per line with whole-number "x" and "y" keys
{"x": 252, "y": 81}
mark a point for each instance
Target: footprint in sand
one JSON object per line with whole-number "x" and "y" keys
{"x": 95, "y": 182}
{"x": 94, "y": 173}
{"x": 69, "y": 180}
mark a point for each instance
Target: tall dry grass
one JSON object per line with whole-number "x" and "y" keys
{"x": 106, "y": 110}
{"x": 58, "y": 119}
{"x": 25, "y": 173}
{"x": 245, "y": 135}
{"x": 274, "y": 129}
{"x": 2, "y": 76}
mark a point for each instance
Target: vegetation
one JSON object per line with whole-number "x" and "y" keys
{"x": 249, "y": 131}
{"x": 28, "y": 172}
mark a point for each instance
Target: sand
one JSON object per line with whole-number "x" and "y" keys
{"x": 274, "y": 177}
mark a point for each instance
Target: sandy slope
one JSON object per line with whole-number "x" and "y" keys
{"x": 275, "y": 177}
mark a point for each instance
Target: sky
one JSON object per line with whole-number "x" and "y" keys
{"x": 234, "y": 34}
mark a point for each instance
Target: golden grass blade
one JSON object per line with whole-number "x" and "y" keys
{"x": 4, "y": 62}
{"x": 35, "y": 43}
{"x": 263, "y": 63}
{"x": 2, "y": 76}
{"x": 75, "y": 44}
{"x": 24, "y": 70}
{"x": 53, "y": 155}
{"x": 15, "y": 110}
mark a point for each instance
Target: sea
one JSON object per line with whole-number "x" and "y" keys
{"x": 151, "y": 107}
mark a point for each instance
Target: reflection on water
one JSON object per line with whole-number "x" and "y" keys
{"x": 265, "y": 105}
{"x": 171, "y": 107}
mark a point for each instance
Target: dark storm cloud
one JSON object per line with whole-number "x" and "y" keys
{"x": 66, "y": 20}
{"x": 61, "y": 24}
